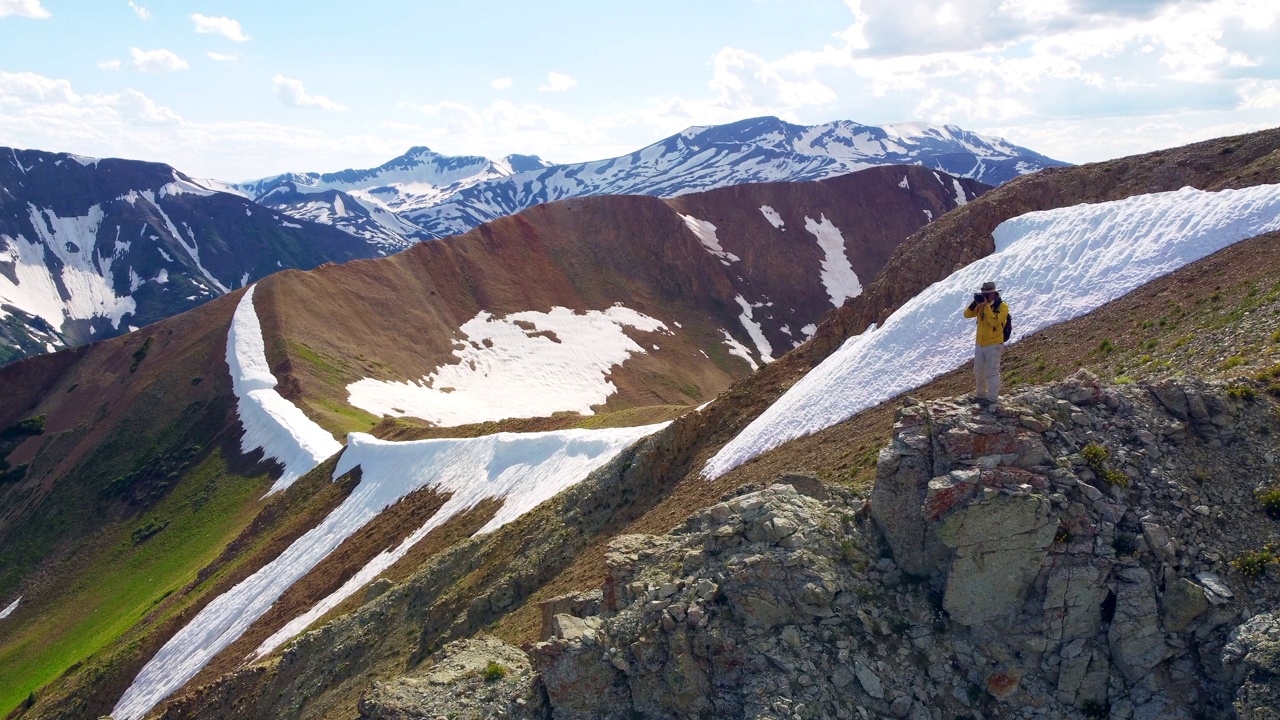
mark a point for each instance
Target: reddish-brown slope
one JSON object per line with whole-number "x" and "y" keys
{"x": 398, "y": 318}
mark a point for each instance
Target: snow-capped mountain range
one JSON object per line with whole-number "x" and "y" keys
{"x": 424, "y": 195}
{"x": 91, "y": 248}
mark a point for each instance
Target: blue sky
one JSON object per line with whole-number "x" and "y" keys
{"x": 235, "y": 90}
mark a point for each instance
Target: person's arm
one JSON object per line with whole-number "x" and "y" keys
{"x": 972, "y": 310}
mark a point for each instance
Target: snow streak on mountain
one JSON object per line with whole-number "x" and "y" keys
{"x": 435, "y": 196}
{"x": 1051, "y": 266}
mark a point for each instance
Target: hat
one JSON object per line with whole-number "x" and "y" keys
{"x": 989, "y": 286}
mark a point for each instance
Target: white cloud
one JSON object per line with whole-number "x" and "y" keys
{"x": 23, "y": 8}
{"x": 156, "y": 61}
{"x": 220, "y": 57}
{"x": 292, "y": 94}
{"x": 502, "y": 83}
{"x": 224, "y": 26}
{"x": 142, "y": 13}
{"x": 109, "y": 65}
{"x": 558, "y": 82}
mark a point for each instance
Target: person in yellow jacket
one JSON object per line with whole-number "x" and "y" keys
{"x": 991, "y": 313}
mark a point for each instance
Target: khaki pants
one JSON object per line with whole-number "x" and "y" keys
{"x": 986, "y": 370}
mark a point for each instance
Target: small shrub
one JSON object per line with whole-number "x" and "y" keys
{"x": 1146, "y": 324}
{"x": 1240, "y": 391}
{"x": 1151, "y": 344}
{"x": 1275, "y": 337}
{"x": 1063, "y": 536}
{"x": 1269, "y": 498}
{"x": 1254, "y": 562}
{"x": 1096, "y": 455}
{"x": 1124, "y": 380}
{"x": 26, "y": 426}
{"x": 493, "y": 672}
{"x": 1234, "y": 361}
{"x": 1106, "y": 347}
{"x": 1215, "y": 296}
{"x": 141, "y": 353}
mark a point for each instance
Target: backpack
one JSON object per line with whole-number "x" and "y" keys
{"x": 1008, "y": 323}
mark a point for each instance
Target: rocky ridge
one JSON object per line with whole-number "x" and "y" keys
{"x": 1061, "y": 554}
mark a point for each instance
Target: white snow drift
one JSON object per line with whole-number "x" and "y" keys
{"x": 521, "y": 469}
{"x": 8, "y": 610}
{"x": 706, "y": 234}
{"x": 837, "y": 275}
{"x": 507, "y": 371}
{"x": 271, "y": 423}
{"x": 1052, "y": 266}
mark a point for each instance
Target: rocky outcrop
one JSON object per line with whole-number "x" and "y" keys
{"x": 482, "y": 677}
{"x": 1061, "y": 554}
{"x": 1253, "y": 658}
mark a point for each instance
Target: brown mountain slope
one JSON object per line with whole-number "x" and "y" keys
{"x": 398, "y": 319}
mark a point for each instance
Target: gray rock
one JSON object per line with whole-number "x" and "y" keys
{"x": 1252, "y": 659}
{"x": 1183, "y": 602}
{"x": 999, "y": 545}
{"x": 1136, "y": 641}
{"x": 869, "y": 680}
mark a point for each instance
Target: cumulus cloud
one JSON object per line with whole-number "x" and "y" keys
{"x": 558, "y": 82}
{"x": 109, "y": 65}
{"x": 502, "y": 83}
{"x": 23, "y": 8}
{"x": 292, "y": 94}
{"x": 220, "y": 57}
{"x": 142, "y": 13}
{"x": 156, "y": 61}
{"x": 224, "y": 26}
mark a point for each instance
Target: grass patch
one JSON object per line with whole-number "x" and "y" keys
{"x": 127, "y": 579}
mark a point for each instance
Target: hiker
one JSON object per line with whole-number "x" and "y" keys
{"x": 993, "y": 330}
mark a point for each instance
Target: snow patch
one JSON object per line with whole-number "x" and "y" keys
{"x": 838, "y": 276}
{"x": 1053, "y": 265}
{"x": 754, "y": 330}
{"x": 8, "y": 610}
{"x": 559, "y": 361}
{"x": 961, "y": 198}
{"x": 706, "y": 234}
{"x": 904, "y": 184}
{"x": 737, "y": 348}
{"x": 772, "y": 216}
{"x": 523, "y": 470}
{"x": 271, "y": 423}
{"x": 809, "y": 330}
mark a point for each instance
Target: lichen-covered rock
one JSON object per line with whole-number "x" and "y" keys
{"x": 1253, "y": 657}
{"x": 475, "y": 679}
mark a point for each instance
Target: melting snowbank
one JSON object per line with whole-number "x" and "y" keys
{"x": 837, "y": 274}
{"x": 271, "y": 423}
{"x": 520, "y": 469}
{"x": 527, "y": 364}
{"x": 8, "y": 610}
{"x": 1051, "y": 266}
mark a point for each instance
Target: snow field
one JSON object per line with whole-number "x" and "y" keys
{"x": 837, "y": 274}
{"x": 521, "y": 469}
{"x": 504, "y": 370}
{"x": 1051, "y": 266}
{"x": 271, "y": 423}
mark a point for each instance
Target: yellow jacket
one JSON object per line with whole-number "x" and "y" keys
{"x": 990, "y": 322}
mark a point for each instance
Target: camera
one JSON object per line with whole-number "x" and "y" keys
{"x": 979, "y": 298}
